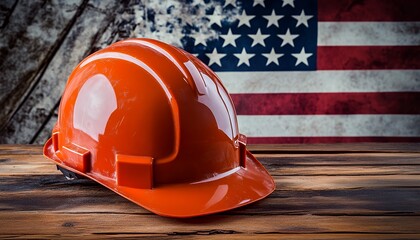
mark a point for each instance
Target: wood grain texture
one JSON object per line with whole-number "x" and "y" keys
{"x": 335, "y": 148}
{"x": 355, "y": 194}
{"x": 45, "y": 132}
{"x": 33, "y": 33}
{"x": 6, "y": 9}
{"x": 31, "y": 117}
{"x": 118, "y": 23}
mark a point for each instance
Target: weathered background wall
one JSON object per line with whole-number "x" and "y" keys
{"x": 42, "y": 41}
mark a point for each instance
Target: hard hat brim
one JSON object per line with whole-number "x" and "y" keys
{"x": 235, "y": 188}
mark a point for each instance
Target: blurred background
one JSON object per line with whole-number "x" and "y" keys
{"x": 298, "y": 71}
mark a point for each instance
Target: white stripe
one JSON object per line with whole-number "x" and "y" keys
{"x": 330, "y": 125}
{"x": 322, "y": 81}
{"x": 368, "y": 33}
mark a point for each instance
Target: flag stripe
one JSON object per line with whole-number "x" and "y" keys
{"x": 327, "y": 103}
{"x": 368, "y": 33}
{"x": 330, "y": 125}
{"x": 368, "y": 10}
{"x": 368, "y": 57}
{"x": 275, "y": 140}
{"x": 322, "y": 81}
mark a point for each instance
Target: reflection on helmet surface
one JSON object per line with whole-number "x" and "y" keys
{"x": 219, "y": 107}
{"x": 218, "y": 195}
{"x": 94, "y": 104}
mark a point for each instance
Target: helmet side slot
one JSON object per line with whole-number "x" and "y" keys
{"x": 134, "y": 171}
{"x": 77, "y": 157}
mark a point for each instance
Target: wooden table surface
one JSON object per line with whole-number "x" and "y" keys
{"x": 336, "y": 191}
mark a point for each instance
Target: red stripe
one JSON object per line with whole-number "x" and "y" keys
{"x": 368, "y": 57}
{"x": 327, "y": 103}
{"x": 368, "y": 10}
{"x": 277, "y": 140}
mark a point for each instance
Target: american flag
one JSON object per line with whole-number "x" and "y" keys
{"x": 306, "y": 70}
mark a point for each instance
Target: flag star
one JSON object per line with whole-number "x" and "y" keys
{"x": 302, "y": 18}
{"x": 258, "y": 38}
{"x": 176, "y": 32}
{"x": 260, "y": 2}
{"x": 273, "y": 19}
{"x": 230, "y": 2}
{"x": 188, "y": 21}
{"x": 244, "y": 19}
{"x": 288, "y": 2}
{"x": 215, "y": 19}
{"x": 215, "y": 57}
{"x": 243, "y": 57}
{"x": 199, "y": 38}
{"x": 230, "y": 38}
{"x": 302, "y": 57}
{"x": 272, "y": 57}
{"x": 288, "y": 38}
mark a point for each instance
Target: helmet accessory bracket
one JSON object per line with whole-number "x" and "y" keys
{"x": 134, "y": 171}
{"x": 242, "y": 150}
{"x": 77, "y": 157}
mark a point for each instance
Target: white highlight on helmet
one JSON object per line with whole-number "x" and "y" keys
{"x": 218, "y": 195}
{"x": 94, "y": 105}
{"x": 128, "y": 58}
{"x": 218, "y": 176}
{"x": 162, "y": 51}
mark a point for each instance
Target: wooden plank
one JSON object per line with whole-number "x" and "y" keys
{"x": 343, "y": 159}
{"x": 343, "y": 164}
{"x": 39, "y": 107}
{"x": 35, "y": 30}
{"x": 309, "y": 159}
{"x": 353, "y": 171}
{"x": 53, "y": 193}
{"x": 38, "y": 165}
{"x": 335, "y": 148}
{"x": 228, "y": 235}
{"x": 106, "y": 223}
{"x": 6, "y": 149}
{"x": 346, "y": 182}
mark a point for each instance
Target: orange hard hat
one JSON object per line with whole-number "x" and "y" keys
{"x": 154, "y": 124}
